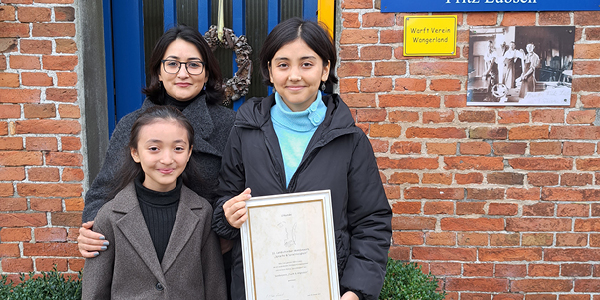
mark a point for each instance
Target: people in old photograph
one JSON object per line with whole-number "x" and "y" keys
{"x": 522, "y": 65}
{"x": 491, "y": 69}
{"x": 509, "y": 59}
{"x": 527, "y": 79}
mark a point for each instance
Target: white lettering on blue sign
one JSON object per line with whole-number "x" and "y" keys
{"x": 491, "y": 1}
{"x": 511, "y": 1}
{"x": 487, "y": 5}
{"x": 464, "y": 1}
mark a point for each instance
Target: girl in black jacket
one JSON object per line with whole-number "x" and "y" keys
{"x": 298, "y": 140}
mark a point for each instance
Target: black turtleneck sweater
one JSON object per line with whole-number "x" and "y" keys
{"x": 159, "y": 210}
{"x": 180, "y": 105}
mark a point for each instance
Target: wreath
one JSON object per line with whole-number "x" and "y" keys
{"x": 237, "y": 86}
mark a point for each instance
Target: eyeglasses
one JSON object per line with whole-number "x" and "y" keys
{"x": 195, "y": 67}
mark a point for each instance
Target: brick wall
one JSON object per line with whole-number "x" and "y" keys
{"x": 499, "y": 202}
{"x": 41, "y": 161}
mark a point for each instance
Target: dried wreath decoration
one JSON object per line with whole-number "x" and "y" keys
{"x": 235, "y": 87}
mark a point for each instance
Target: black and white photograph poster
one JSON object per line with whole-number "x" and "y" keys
{"x": 520, "y": 66}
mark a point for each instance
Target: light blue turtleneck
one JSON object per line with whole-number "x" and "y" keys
{"x": 294, "y": 130}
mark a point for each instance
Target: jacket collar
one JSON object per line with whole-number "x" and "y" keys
{"x": 199, "y": 116}
{"x": 134, "y": 228}
{"x": 255, "y": 113}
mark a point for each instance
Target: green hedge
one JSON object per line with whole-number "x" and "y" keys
{"x": 406, "y": 281}
{"x": 46, "y": 286}
{"x": 403, "y": 281}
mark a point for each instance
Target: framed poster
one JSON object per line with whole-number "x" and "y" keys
{"x": 288, "y": 247}
{"x": 520, "y": 66}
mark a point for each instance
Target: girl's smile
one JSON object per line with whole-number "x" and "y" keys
{"x": 166, "y": 171}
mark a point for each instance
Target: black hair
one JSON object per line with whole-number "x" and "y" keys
{"x": 129, "y": 170}
{"x": 312, "y": 33}
{"x": 214, "y": 89}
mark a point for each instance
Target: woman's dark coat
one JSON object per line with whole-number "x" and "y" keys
{"x": 211, "y": 123}
{"x": 339, "y": 157}
{"x": 192, "y": 267}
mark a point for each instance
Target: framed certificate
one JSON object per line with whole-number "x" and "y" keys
{"x": 288, "y": 247}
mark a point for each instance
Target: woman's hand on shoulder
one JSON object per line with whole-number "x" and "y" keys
{"x": 235, "y": 209}
{"x": 90, "y": 242}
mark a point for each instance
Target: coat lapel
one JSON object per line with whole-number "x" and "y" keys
{"x": 134, "y": 228}
{"x": 186, "y": 222}
{"x": 200, "y": 118}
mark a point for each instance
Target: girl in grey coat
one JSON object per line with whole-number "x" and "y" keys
{"x": 162, "y": 245}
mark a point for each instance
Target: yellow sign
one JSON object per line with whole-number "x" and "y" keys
{"x": 429, "y": 35}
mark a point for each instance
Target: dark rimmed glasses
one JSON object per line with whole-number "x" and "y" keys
{"x": 194, "y": 67}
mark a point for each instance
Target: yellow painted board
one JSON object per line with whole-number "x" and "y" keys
{"x": 429, "y": 35}
{"x": 326, "y": 14}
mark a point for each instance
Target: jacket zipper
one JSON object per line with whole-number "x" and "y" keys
{"x": 313, "y": 152}
{"x": 277, "y": 165}
{"x": 292, "y": 186}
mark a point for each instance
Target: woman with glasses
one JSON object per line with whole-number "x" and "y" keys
{"x": 185, "y": 74}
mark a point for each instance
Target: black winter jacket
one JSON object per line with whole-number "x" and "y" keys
{"x": 339, "y": 157}
{"x": 212, "y": 124}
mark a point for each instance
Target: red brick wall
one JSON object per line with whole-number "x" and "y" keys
{"x": 499, "y": 202}
{"x": 41, "y": 161}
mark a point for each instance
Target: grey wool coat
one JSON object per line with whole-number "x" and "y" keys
{"x": 192, "y": 267}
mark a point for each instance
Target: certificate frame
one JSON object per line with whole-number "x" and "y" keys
{"x": 288, "y": 247}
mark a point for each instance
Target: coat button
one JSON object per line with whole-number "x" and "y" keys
{"x": 159, "y": 287}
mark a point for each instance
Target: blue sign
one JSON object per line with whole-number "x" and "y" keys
{"x": 487, "y": 5}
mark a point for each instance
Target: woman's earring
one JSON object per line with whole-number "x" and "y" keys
{"x": 204, "y": 87}
{"x": 323, "y": 86}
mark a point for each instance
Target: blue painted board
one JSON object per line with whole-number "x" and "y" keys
{"x": 169, "y": 14}
{"x": 204, "y": 10}
{"x": 273, "y": 19}
{"x": 128, "y": 55}
{"x": 124, "y": 46}
{"x": 274, "y": 14}
{"x": 239, "y": 28}
{"x": 108, "y": 55}
{"x": 309, "y": 9}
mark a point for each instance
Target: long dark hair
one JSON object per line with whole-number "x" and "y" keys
{"x": 129, "y": 170}
{"x": 214, "y": 89}
{"x": 295, "y": 28}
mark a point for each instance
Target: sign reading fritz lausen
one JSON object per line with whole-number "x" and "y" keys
{"x": 487, "y": 5}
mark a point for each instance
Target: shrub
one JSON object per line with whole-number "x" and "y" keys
{"x": 47, "y": 286}
{"x": 403, "y": 281}
{"x": 406, "y": 281}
